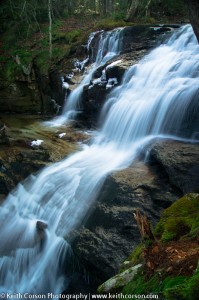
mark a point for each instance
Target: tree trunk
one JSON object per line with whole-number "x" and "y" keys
{"x": 144, "y": 226}
{"x": 132, "y": 10}
{"x": 94, "y": 6}
{"x": 193, "y": 6}
{"x": 50, "y": 28}
{"x": 147, "y": 11}
{"x": 103, "y": 7}
{"x": 70, "y": 7}
{"x": 109, "y": 7}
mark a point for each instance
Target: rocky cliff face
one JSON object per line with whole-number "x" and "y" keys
{"x": 28, "y": 91}
{"x": 111, "y": 233}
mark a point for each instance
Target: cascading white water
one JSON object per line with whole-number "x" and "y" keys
{"x": 108, "y": 47}
{"x": 152, "y": 99}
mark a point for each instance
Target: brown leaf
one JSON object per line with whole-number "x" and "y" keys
{"x": 155, "y": 249}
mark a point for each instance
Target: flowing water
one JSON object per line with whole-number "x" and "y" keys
{"x": 152, "y": 100}
{"x": 108, "y": 47}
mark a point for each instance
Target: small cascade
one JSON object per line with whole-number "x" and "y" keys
{"x": 109, "y": 46}
{"x": 156, "y": 95}
{"x": 37, "y": 219}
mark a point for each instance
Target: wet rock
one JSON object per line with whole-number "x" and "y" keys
{"x": 17, "y": 167}
{"x": 117, "y": 68}
{"x": 2, "y": 198}
{"x": 143, "y": 37}
{"x": 18, "y": 159}
{"x": 45, "y": 83}
{"x": 181, "y": 163}
{"x": 110, "y": 233}
{"x": 93, "y": 99}
{"x": 111, "y": 224}
{"x": 6, "y": 183}
{"x": 40, "y": 225}
{"x": 68, "y": 80}
{"x": 57, "y": 90}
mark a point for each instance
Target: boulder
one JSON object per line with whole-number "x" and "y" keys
{"x": 40, "y": 225}
{"x": 181, "y": 163}
{"x": 117, "y": 282}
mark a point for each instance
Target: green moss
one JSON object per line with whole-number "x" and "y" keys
{"x": 11, "y": 70}
{"x": 136, "y": 256}
{"x": 171, "y": 282}
{"x": 182, "y": 288}
{"x": 67, "y": 37}
{"x": 140, "y": 285}
{"x": 60, "y": 52}
{"x": 171, "y": 288}
{"x": 180, "y": 219}
{"x": 44, "y": 43}
{"x": 110, "y": 23}
{"x": 148, "y": 20}
{"x": 42, "y": 61}
{"x": 24, "y": 55}
{"x": 72, "y": 36}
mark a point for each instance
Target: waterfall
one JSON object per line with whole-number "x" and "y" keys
{"x": 108, "y": 47}
{"x": 152, "y": 101}
{"x": 156, "y": 93}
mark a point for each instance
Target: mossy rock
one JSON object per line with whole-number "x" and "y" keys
{"x": 180, "y": 219}
{"x": 109, "y": 24}
{"x": 69, "y": 37}
{"x": 117, "y": 282}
